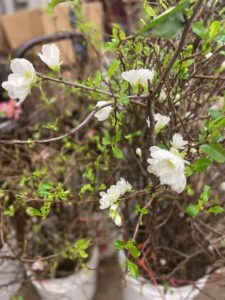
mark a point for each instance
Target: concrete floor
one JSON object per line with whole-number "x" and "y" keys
{"x": 110, "y": 285}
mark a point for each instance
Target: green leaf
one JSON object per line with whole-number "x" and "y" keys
{"x": 117, "y": 153}
{"x": 149, "y": 10}
{"x": 169, "y": 24}
{"x": 201, "y": 164}
{"x": 199, "y": 29}
{"x": 44, "y": 189}
{"x": 32, "y": 212}
{"x": 214, "y": 151}
{"x": 98, "y": 77}
{"x": 113, "y": 67}
{"x": 192, "y": 210}
{"x": 214, "y": 29}
{"x": 204, "y": 197}
{"x": 106, "y": 141}
{"x": 120, "y": 245}
{"x": 139, "y": 210}
{"x": 133, "y": 249}
{"x": 133, "y": 270}
{"x": 216, "y": 209}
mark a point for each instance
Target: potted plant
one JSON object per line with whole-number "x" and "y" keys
{"x": 11, "y": 268}
{"x": 153, "y": 151}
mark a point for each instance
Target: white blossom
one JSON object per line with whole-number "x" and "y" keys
{"x": 139, "y": 152}
{"x": 162, "y": 96}
{"x": 208, "y": 55}
{"x": 222, "y": 186}
{"x": 114, "y": 214}
{"x": 178, "y": 141}
{"x": 51, "y": 56}
{"x": 177, "y": 99}
{"x": 169, "y": 167}
{"x": 161, "y": 122}
{"x": 114, "y": 193}
{"x": 193, "y": 150}
{"x": 223, "y": 66}
{"x": 124, "y": 186}
{"x": 110, "y": 199}
{"x": 162, "y": 261}
{"x": 20, "y": 81}
{"x": 104, "y": 200}
{"x": 141, "y": 76}
{"x": 103, "y": 113}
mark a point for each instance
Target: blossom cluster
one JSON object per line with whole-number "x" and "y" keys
{"x": 24, "y": 76}
{"x": 110, "y": 199}
{"x": 169, "y": 165}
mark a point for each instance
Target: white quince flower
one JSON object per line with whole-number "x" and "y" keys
{"x": 162, "y": 96}
{"x": 124, "y": 186}
{"x": 51, "y": 57}
{"x": 208, "y": 55}
{"x": 104, "y": 201}
{"x": 141, "y": 76}
{"x": 114, "y": 214}
{"x": 222, "y": 66}
{"x": 161, "y": 122}
{"x": 222, "y": 186}
{"x": 20, "y": 81}
{"x": 110, "y": 199}
{"x": 193, "y": 150}
{"x": 177, "y": 99}
{"x": 139, "y": 152}
{"x": 178, "y": 141}
{"x": 114, "y": 193}
{"x": 103, "y": 113}
{"x": 169, "y": 167}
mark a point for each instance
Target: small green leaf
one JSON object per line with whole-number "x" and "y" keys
{"x": 120, "y": 245}
{"x": 133, "y": 249}
{"x": 98, "y": 77}
{"x": 133, "y": 270}
{"x": 192, "y": 210}
{"x": 216, "y": 209}
{"x": 113, "y": 67}
{"x": 149, "y": 10}
{"x": 214, "y": 29}
{"x": 199, "y": 29}
{"x": 32, "y": 212}
{"x": 204, "y": 197}
{"x": 117, "y": 153}
{"x": 106, "y": 141}
{"x": 201, "y": 164}
{"x": 214, "y": 151}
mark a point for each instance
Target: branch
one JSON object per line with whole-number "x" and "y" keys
{"x": 72, "y": 131}
{"x": 90, "y": 89}
{"x": 210, "y": 77}
{"x": 180, "y": 46}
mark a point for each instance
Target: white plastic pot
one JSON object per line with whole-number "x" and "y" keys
{"x": 142, "y": 289}
{"x": 11, "y": 273}
{"x": 79, "y": 286}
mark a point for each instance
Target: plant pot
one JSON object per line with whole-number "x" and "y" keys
{"x": 142, "y": 289}
{"x": 11, "y": 273}
{"x": 81, "y": 285}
